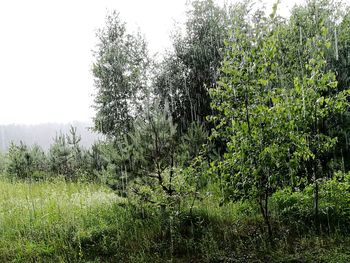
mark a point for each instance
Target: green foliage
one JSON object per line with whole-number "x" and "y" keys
{"x": 3, "y": 162}
{"x": 120, "y": 72}
{"x": 316, "y": 18}
{"x": 39, "y": 159}
{"x": 249, "y": 119}
{"x": 59, "y": 156}
{"x": 153, "y": 146}
{"x": 20, "y": 160}
{"x": 186, "y": 73}
{"x": 84, "y": 222}
{"x": 23, "y": 161}
{"x": 67, "y": 158}
{"x": 97, "y": 162}
{"x": 192, "y": 143}
{"x": 342, "y": 50}
{"x": 274, "y": 133}
{"x": 115, "y": 157}
{"x": 295, "y": 208}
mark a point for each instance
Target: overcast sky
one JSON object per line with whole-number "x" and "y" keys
{"x": 45, "y": 52}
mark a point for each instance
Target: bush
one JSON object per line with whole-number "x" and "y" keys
{"x": 296, "y": 207}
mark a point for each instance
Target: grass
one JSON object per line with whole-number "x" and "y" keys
{"x": 44, "y": 221}
{"x": 85, "y": 222}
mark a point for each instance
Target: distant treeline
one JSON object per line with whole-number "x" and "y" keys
{"x": 43, "y": 134}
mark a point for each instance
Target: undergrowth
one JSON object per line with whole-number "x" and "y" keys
{"x": 83, "y": 222}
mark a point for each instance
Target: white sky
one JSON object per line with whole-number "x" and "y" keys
{"x": 46, "y": 58}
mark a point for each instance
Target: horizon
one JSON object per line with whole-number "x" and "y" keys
{"x": 49, "y": 123}
{"x": 44, "y": 134}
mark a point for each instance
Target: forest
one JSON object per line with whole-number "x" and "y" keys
{"x": 233, "y": 146}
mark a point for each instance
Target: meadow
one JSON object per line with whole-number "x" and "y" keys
{"x": 59, "y": 221}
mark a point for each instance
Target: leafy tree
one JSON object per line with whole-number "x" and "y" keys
{"x": 305, "y": 23}
{"x": 185, "y": 75}
{"x": 248, "y": 119}
{"x": 323, "y": 22}
{"x": 120, "y": 71}
{"x": 320, "y": 105}
{"x": 342, "y": 49}
{"x": 273, "y": 133}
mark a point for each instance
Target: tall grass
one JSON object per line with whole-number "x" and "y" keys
{"x": 85, "y": 222}
{"x": 44, "y": 221}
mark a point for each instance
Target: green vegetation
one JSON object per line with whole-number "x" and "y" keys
{"x": 46, "y": 221}
{"x": 233, "y": 148}
{"x": 59, "y": 221}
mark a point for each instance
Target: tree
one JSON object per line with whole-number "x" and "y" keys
{"x": 117, "y": 168}
{"x": 59, "y": 156}
{"x": 39, "y": 159}
{"x": 120, "y": 71}
{"x": 275, "y": 134}
{"x": 24, "y": 161}
{"x": 153, "y": 142}
{"x": 19, "y": 161}
{"x": 186, "y": 74}
{"x": 320, "y": 105}
{"x": 248, "y": 119}
{"x": 305, "y": 23}
{"x": 76, "y": 158}
{"x": 320, "y": 30}
{"x": 191, "y": 144}
{"x": 96, "y": 159}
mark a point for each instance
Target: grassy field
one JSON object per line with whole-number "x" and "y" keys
{"x": 44, "y": 221}
{"x": 84, "y": 222}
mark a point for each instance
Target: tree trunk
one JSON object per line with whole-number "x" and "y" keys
{"x": 316, "y": 201}
{"x": 263, "y": 203}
